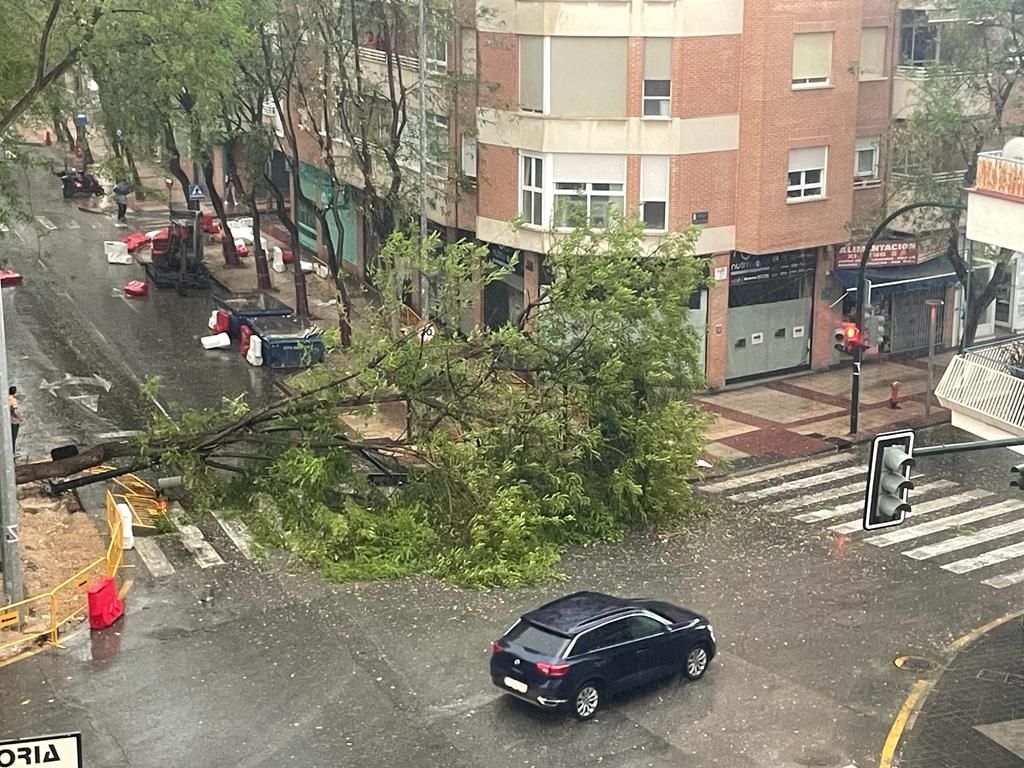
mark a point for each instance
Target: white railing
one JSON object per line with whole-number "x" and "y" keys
{"x": 986, "y": 385}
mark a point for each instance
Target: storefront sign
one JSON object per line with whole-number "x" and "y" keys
{"x": 748, "y": 268}
{"x": 884, "y": 253}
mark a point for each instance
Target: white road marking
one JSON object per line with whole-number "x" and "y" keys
{"x": 908, "y": 532}
{"x": 795, "y": 485}
{"x": 919, "y": 509}
{"x": 120, "y": 435}
{"x": 193, "y": 539}
{"x": 817, "y": 498}
{"x": 94, "y": 226}
{"x": 72, "y": 224}
{"x": 991, "y": 557}
{"x": 858, "y": 505}
{"x": 46, "y": 224}
{"x": 238, "y": 532}
{"x": 963, "y": 542}
{"x": 153, "y": 557}
{"x": 129, "y": 302}
{"x": 1005, "y": 580}
{"x": 42, "y": 265}
{"x": 773, "y": 473}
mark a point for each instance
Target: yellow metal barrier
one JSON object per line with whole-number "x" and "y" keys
{"x": 42, "y": 616}
{"x": 140, "y": 497}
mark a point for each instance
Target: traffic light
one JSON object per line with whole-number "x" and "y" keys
{"x": 874, "y": 330}
{"x": 848, "y": 337}
{"x": 1018, "y": 480}
{"x": 886, "y": 501}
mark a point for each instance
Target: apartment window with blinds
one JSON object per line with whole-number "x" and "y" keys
{"x": 865, "y": 161}
{"x": 589, "y": 189}
{"x": 872, "y": 53}
{"x": 531, "y": 73}
{"x": 587, "y": 76}
{"x": 654, "y": 192}
{"x": 531, "y": 184}
{"x": 812, "y": 59}
{"x": 806, "y": 180}
{"x": 657, "y": 94}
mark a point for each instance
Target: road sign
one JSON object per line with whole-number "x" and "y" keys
{"x": 63, "y": 751}
{"x": 195, "y": 192}
{"x": 81, "y": 120}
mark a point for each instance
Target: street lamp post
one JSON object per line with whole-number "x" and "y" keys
{"x": 11, "y": 566}
{"x": 858, "y": 352}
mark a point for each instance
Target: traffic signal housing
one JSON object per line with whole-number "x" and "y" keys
{"x": 1017, "y": 481}
{"x": 848, "y": 337}
{"x": 887, "y": 497}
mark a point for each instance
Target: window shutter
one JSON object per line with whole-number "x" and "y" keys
{"x": 807, "y": 158}
{"x": 658, "y": 58}
{"x": 599, "y": 93}
{"x": 653, "y": 177}
{"x": 608, "y": 169}
{"x": 531, "y": 73}
{"x": 812, "y": 55}
{"x": 872, "y": 53}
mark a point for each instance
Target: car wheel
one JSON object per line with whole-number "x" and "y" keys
{"x": 697, "y": 662}
{"x": 586, "y": 701}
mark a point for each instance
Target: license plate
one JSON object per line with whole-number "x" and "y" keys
{"x": 515, "y": 685}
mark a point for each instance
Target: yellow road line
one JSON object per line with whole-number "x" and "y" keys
{"x": 896, "y": 731}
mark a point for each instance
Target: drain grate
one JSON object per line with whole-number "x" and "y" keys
{"x": 914, "y": 663}
{"x": 998, "y": 676}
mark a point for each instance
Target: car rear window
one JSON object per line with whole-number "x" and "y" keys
{"x": 537, "y": 640}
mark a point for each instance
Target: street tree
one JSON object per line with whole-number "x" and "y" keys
{"x": 968, "y": 100}
{"x": 571, "y": 423}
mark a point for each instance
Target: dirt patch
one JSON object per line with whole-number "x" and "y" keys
{"x": 58, "y": 540}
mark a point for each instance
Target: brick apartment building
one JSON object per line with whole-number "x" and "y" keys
{"x": 762, "y": 121}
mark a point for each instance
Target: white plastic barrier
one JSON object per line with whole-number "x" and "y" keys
{"x": 127, "y": 534}
{"x": 277, "y": 264}
{"x": 117, "y": 252}
{"x": 255, "y": 354}
{"x": 218, "y": 341}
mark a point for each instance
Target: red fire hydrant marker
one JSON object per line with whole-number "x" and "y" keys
{"x": 894, "y": 395}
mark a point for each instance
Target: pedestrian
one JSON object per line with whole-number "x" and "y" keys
{"x": 12, "y": 403}
{"x": 121, "y": 190}
{"x": 229, "y": 189}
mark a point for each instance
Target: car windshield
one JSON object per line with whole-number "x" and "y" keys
{"x": 537, "y": 640}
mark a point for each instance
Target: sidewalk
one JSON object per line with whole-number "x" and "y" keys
{"x": 811, "y": 413}
{"x": 971, "y": 716}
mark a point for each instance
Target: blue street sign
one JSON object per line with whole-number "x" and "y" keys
{"x": 81, "y": 120}
{"x": 195, "y": 192}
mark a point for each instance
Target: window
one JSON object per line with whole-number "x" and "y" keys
{"x": 587, "y": 76}
{"x": 468, "y": 42}
{"x": 920, "y": 40}
{"x": 644, "y": 626}
{"x": 533, "y": 638}
{"x": 872, "y": 53}
{"x": 657, "y": 77}
{"x": 654, "y": 192}
{"x": 437, "y": 49}
{"x": 806, "y": 173}
{"x": 610, "y": 634}
{"x": 531, "y": 73}
{"x": 469, "y": 156}
{"x": 531, "y": 182}
{"x": 588, "y": 189}
{"x": 812, "y": 59}
{"x": 437, "y": 145}
{"x": 865, "y": 163}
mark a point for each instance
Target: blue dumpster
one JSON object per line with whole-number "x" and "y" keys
{"x": 288, "y": 342}
{"x": 242, "y": 307}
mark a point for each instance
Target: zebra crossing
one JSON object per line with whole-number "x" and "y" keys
{"x": 962, "y": 530}
{"x": 189, "y": 546}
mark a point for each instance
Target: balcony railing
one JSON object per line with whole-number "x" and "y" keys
{"x": 987, "y": 384}
{"x": 999, "y": 174}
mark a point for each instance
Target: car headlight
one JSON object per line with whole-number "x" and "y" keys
{"x": 711, "y": 631}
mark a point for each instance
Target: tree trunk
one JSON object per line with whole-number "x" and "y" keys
{"x": 174, "y": 159}
{"x": 260, "y": 256}
{"x": 334, "y": 260}
{"x": 227, "y": 242}
{"x": 301, "y": 295}
{"x": 980, "y": 301}
{"x": 289, "y": 222}
{"x": 133, "y": 169}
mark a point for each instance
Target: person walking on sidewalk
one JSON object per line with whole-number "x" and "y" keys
{"x": 12, "y": 403}
{"x": 121, "y": 190}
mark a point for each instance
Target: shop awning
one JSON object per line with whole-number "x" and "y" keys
{"x": 934, "y": 273}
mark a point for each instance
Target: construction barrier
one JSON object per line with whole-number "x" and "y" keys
{"x": 42, "y": 617}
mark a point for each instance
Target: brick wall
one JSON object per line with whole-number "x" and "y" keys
{"x": 703, "y": 182}
{"x": 718, "y": 308}
{"x": 705, "y": 75}
{"x": 635, "y": 76}
{"x": 498, "y": 186}
{"x": 824, "y": 318}
{"x": 498, "y": 70}
{"x": 633, "y": 186}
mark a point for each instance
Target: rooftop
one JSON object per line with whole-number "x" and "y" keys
{"x": 567, "y": 615}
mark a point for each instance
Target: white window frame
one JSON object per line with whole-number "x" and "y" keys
{"x": 434, "y": 37}
{"x": 807, "y": 190}
{"x": 863, "y": 178}
{"x": 586, "y": 189}
{"x": 469, "y": 156}
{"x": 663, "y": 101}
{"x": 438, "y": 166}
{"x": 534, "y": 190}
{"x": 654, "y": 195}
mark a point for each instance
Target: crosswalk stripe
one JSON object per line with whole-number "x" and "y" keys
{"x": 45, "y": 223}
{"x": 194, "y": 541}
{"x": 238, "y": 532}
{"x": 908, "y": 532}
{"x": 72, "y": 224}
{"x": 795, "y": 485}
{"x": 991, "y": 557}
{"x": 153, "y": 558}
{"x": 1005, "y": 580}
{"x": 816, "y": 498}
{"x": 978, "y": 537}
{"x": 774, "y": 473}
{"x": 858, "y": 506}
{"x": 920, "y": 509}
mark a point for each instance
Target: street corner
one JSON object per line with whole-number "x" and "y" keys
{"x": 969, "y": 711}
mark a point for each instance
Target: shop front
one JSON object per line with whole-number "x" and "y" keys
{"x": 341, "y": 218}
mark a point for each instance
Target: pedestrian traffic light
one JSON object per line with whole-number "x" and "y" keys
{"x": 874, "y": 330}
{"x": 1017, "y": 481}
{"x": 886, "y": 500}
{"x": 848, "y": 337}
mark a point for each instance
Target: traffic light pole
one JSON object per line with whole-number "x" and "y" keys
{"x": 858, "y": 353}
{"x": 977, "y": 445}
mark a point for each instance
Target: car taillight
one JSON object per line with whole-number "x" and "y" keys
{"x": 553, "y": 670}
{"x": 496, "y": 647}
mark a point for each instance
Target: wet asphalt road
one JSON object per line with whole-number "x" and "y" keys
{"x": 69, "y": 318}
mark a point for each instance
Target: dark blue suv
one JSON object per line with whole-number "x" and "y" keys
{"x": 580, "y": 648}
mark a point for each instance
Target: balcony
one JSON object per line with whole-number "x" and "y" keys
{"x": 907, "y": 82}
{"x": 983, "y": 389}
{"x": 995, "y": 204}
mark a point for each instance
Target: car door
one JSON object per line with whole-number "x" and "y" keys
{"x": 614, "y": 654}
{"x": 654, "y": 653}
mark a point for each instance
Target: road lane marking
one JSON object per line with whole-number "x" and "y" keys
{"x": 42, "y": 265}
{"x": 773, "y": 473}
{"x": 153, "y": 558}
{"x": 816, "y": 498}
{"x": 963, "y": 542}
{"x": 193, "y": 539}
{"x": 72, "y": 224}
{"x": 123, "y": 434}
{"x": 858, "y": 505}
{"x": 992, "y": 557}
{"x": 906, "y": 533}
{"x": 238, "y": 532}
{"x": 46, "y": 224}
{"x": 795, "y": 485}
{"x": 919, "y": 509}
{"x": 128, "y": 301}
{"x": 1005, "y": 580}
